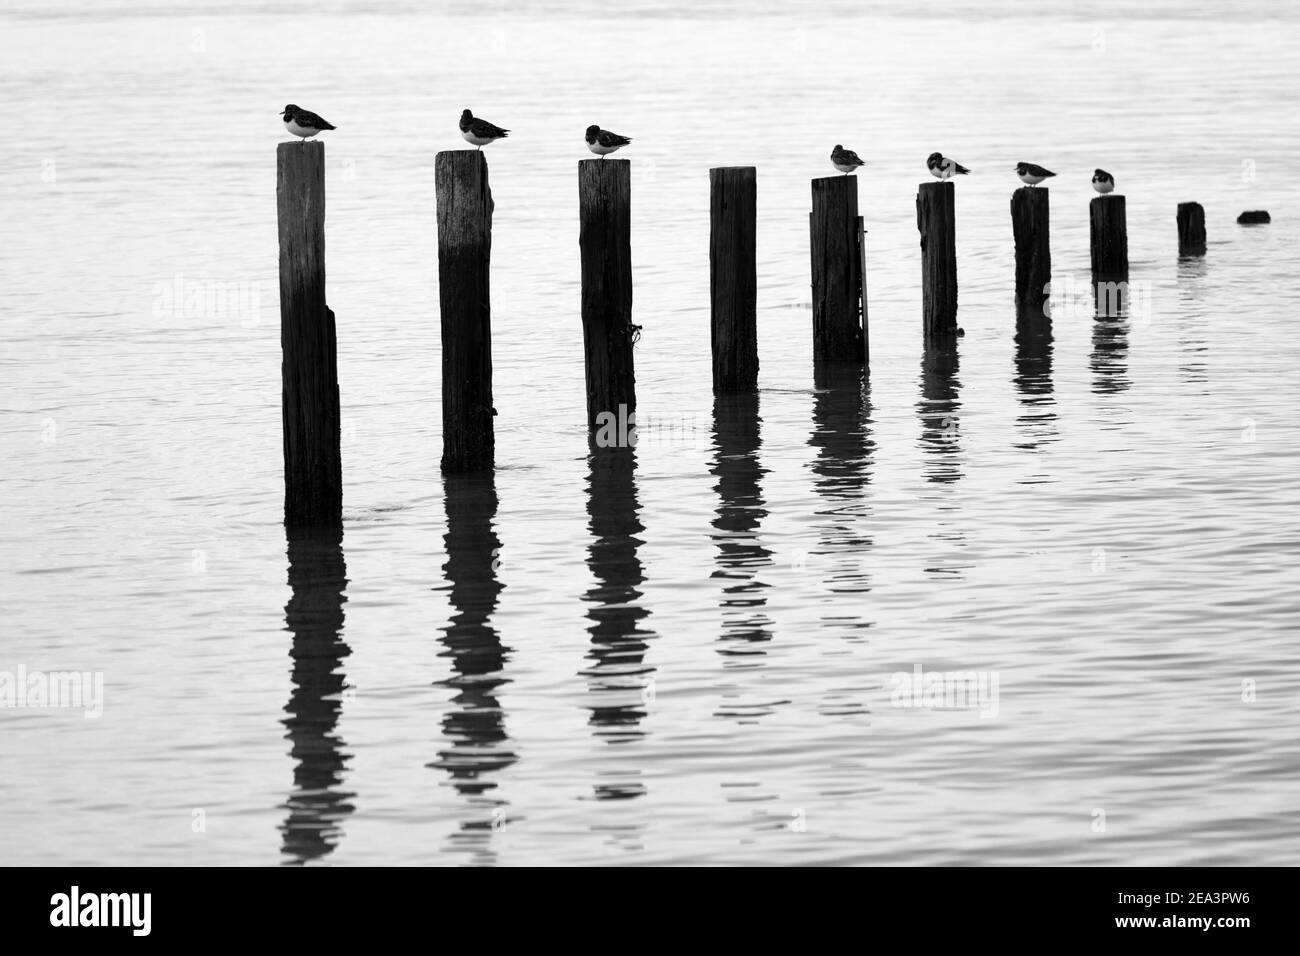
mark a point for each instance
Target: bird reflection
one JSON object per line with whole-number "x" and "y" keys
{"x": 740, "y": 512}
{"x": 474, "y": 725}
{"x": 842, "y": 470}
{"x": 318, "y": 580}
{"x": 1109, "y": 359}
{"x": 1033, "y": 379}
{"x": 938, "y": 409}
{"x": 618, "y": 679}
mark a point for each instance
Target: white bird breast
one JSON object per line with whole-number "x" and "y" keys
{"x": 1030, "y": 179}
{"x": 601, "y": 150}
{"x": 844, "y": 168}
{"x": 1103, "y": 188}
{"x": 476, "y": 140}
{"x": 943, "y": 170}
{"x": 303, "y": 131}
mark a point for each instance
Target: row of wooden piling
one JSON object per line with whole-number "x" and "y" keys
{"x": 313, "y": 473}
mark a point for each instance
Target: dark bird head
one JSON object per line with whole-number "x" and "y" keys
{"x": 466, "y": 117}
{"x": 592, "y": 132}
{"x": 1101, "y": 176}
{"x": 289, "y": 111}
{"x": 1022, "y": 168}
{"x": 837, "y": 148}
{"x": 934, "y": 159}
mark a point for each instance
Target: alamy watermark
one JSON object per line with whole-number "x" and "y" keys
{"x": 68, "y": 689}
{"x": 946, "y": 690}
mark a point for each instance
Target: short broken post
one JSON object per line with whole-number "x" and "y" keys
{"x": 733, "y": 278}
{"x": 936, "y": 221}
{"x": 313, "y": 473}
{"x": 1191, "y": 229}
{"x": 1109, "y": 242}
{"x": 1030, "y": 226}
{"x": 464, "y": 256}
{"x": 605, "y": 243}
{"x": 838, "y": 333}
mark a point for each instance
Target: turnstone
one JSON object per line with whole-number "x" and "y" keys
{"x": 1103, "y": 181}
{"x": 1032, "y": 175}
{"x": 602, "y": 142}
{"x": 479, "y": 132}
{"x": 302, "y": 122}
{"x": 845, "y": 160}
{"x": 941, "y": 167}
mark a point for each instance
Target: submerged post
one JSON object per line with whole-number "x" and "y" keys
{"x": 836, "y": 271}
{"x": 313, "y": 473}
{"x": 936, "y": 221}
{"x": 733, "y": 281}
{"x": 605, "y": 241}
{"x": 1109, "y": 241}
{"x": 464, "y": 256}
{"x": 1191, "y": 229}
{"x": 1030, "y": 226}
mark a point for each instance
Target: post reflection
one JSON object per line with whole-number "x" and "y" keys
{"x": 474, "y": 724}
{"x": 618, "y": 678}
{"x": 938, "y": 410}
{"x": 1192, "y": 319}
{"x": 314, "y": 616}
{"x": 842, "y": 470}
{"x": 1033, "y": 379}
{"x": 739, "y": 515}
{"x": 1109, "y": 360}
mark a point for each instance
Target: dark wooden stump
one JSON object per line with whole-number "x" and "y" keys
{"x": 1030, "y": 226}
{"x": 1109, "y": 236}
{"x": 464, "y": 257}
{"x": 313, "y": 473}
{"x": 836, "y": 271}
{"x": 1254, "y": 217}
{"x": 733, "y": 277}
{"x": 1191, "y": 229}
{"x": 605, "y": 242}
{"x": 936, "y": 221}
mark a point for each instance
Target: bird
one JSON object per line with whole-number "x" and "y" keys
{"x": 1031, "y": 174}
{"x": 1103, "y": 182}
{"x": 845, "y": 160}
{"x": 944, "y": 168}
{"x": 602, "y": 142}
{"x": 303, "y": 122}
{"x": 479, "y": 132}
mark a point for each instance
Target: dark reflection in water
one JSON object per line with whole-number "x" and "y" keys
{"x": 842, "y": 470}
{"x": 1191, "y": 318}
{"x": 1110, "y": 335}
{"x": 740, "y": 513}
{"x": 618, "y": 679}
{"x": 474, "y": 725}
{"x": 317, "y": 806}
{"x": 938, "y": 410}
{"x": 1033, "y": 379}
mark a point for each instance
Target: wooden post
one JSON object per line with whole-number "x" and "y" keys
{"x": 313, "y": 474}
{"x": 936, "y": 221}
{"x": 862, "y": 290}
{"x": 733, "y": 281}
{"x": 1191, "y": 229}
{"x": 1109, "y": 237}
{"x": 605, "y": 241}
{"x": 836, "y": 268}
{"x": 464, "y": 256}
{"x": 1030, "y": 225}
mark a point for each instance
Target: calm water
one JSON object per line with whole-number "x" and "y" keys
{"x": 687, "y": 656}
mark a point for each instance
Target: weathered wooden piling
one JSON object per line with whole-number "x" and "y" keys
{"x": 1254, "y": 217}
{"x": 936, "y": 221}
{"x": 1109, "y": 236}
{"x": 1030, "y": 226}
{"x": 838, "y": 333}
{"x": 313, "y": 473}
{"x": 605, "y": 241}
{"x": 1191, "y": 229}
{"x": 733, "y": 277}
{"x": 464, "y": 257}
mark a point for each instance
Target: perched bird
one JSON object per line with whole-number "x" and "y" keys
{"x": 845, "y": 160}
{"x": 941, "y": 167}
{"x": 602, "y": 142}
{"x": 479, "y": 132}
{"x": 1032, "y": 175}
{"x": 302, "y": 122}
{"x": 1103, "y": 182}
